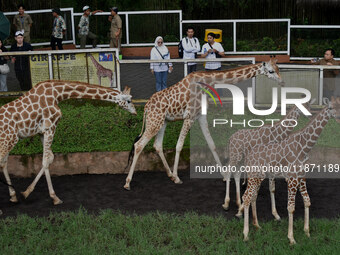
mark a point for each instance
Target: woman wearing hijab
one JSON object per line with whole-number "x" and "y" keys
{"x": 160, "y": 51}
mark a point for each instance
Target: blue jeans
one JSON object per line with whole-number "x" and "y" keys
{"x": 161, "y": 78}
{"x": 3, "y": 82}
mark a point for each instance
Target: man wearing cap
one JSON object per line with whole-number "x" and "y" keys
{"x": 58, "y": 30}
{"x": 23, "y": 22}
{"x": 84, "y": 28}
{"x": 212, "y": 50}
{"x": 21, "y": 63}
{"x": 116, "y": 28}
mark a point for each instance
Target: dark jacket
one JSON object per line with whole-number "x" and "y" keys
{"x": 3, "y": 59}
{"x": 21, "y": 62}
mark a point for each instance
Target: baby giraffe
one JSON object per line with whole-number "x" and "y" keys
{"x": 291, "y": 153}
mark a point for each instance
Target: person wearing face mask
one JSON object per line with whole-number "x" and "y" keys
{"x": 21, "y": 63}
{"x": 160, "y": 70}
{"x": 212, "y": 50}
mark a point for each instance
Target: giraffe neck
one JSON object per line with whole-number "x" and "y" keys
{"x": 232, "y": 76}
{"x": 289, "y": 120}
{"x": 96, "y": 64}
{"x": 68, "y": 90}
{"x": 311, "y": 133}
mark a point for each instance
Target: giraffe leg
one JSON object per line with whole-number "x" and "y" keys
{"x": 292, "y": 188}
{"x": 307, "y": 204}
{"x": 205, "y": 130}
{"x": 185, "y": 128}
{"x": 272, "y": 196}
{"x": 249, "y": 197}
{"x": 227, "y": 195}
{"x": 12, "y": 193}
{"x": 158, "y": 145}
{"x": 47, "y": 160}
{"x": 139, "y": 146}
{"x": 237, "y": 177}
{"x": 255, "y": 220}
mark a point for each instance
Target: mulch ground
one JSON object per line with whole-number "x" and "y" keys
{"x": 151, "y": 191}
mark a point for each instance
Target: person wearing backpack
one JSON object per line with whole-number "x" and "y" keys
{"x": 160, "y": 70}
{"x": 191, "y": 46}
{"x": 212, "y": 50}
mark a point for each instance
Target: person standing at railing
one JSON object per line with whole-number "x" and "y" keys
{"x": 84, "y": 27}
{"x": 23, "y": 23}
{"x": 58, "y": 31}
{"x": 21, "y": 63}
{"x": 329, "y": 81}
{"x": 160, "y": 70}
{"x": 191, "y": 46}
{"x": 4, "y": 69}
{"x": 116, "y": 28}
{"x": 212, "y": 50}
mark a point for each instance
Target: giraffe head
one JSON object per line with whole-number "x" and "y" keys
{"x": 125, "y": 101}
{"x": 334, "y": 105}
{"x": 271, "y": 70}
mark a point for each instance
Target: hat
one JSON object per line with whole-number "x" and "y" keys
{"x": 17, "y": 33}
{"x": 56, "y": 10}
{"x": 86, "y": 7}
{"x": 115, "y": 9}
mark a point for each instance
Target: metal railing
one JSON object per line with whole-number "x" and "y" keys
{"x": 181, "y": 22}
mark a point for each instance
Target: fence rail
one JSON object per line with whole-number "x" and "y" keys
{"x": 181, "y": 22}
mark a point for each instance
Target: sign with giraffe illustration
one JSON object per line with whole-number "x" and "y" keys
{"x": 94, "y": 68}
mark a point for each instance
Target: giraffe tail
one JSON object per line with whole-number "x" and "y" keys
{"x": 132, "y": 151}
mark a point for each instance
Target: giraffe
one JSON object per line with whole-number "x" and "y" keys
{"x": 182, "y": 102}
{"x": 242, "y": 141}
{"x": 291, "y": 153}
{"x": 37, "y": 112}
{"x": 102, "y": 71}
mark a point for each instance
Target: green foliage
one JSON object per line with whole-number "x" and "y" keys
{"x": 159, "y": 233}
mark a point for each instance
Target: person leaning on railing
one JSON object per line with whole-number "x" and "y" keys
{"x": 21, "y": 63}
{"x": 329, "y": 81}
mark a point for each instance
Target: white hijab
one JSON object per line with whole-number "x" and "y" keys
{"x": 163, "y": 49}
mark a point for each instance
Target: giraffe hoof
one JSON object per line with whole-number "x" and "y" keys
{"x": 57, "y": 201}
{"x": 25, "y": 194}
{"x": 277, "y": 218}
{"x": 225, "y": 207}
{"x": 292, "y": 242}
{"x": 246, "y": 239}
{"x": 127, "y": 187}
{"x": 257, "y": 226}
{"x": 307, "y": 233}
{"x": 239, "y": 215}
{"x": 14, "y": 199}
{"x": 178, "y": 181}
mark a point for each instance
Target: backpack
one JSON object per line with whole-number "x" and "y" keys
{"x": 181, "y": 49}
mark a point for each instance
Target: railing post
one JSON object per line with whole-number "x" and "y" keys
{"x": 50, "y": 66}
{"x": 234, "y": 36}
{"x": 321, "y": 87}
{"x": 127, "y": 28}
{"x": 185, "y": 68}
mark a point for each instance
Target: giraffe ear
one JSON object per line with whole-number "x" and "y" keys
{"x": 325, "y": 101}
{"x": 126, "y": 90}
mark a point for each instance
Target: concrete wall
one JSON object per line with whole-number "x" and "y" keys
{"x": 115, "y": 162}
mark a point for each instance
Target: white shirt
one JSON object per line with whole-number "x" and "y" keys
{"x": 159, "y": 67}
{"x": 212, "y": 65}
{"x": 190, "y": 47}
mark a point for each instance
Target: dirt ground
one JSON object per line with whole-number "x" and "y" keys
{"x": 152, "y": 191}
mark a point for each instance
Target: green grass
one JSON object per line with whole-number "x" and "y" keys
{"x": 159, "y": 233}
{"x": 89, "y": 125}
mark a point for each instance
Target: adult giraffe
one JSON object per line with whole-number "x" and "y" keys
{"x": 182, "y": 101}
{"x": 37, "y": 112}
